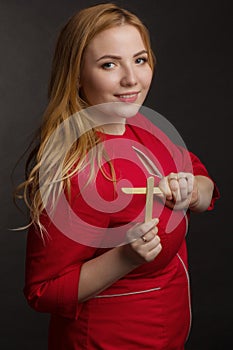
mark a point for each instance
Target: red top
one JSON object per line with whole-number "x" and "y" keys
{"x": 96, "y": 220}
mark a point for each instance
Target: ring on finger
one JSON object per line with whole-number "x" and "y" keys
{"x": 144, "y": 239}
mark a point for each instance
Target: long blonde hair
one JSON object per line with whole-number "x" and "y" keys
{"x": 65, "y": 100}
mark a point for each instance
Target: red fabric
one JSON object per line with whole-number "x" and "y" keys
{"x": 156, "y": 319}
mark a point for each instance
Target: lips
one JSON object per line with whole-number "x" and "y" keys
{"x": 128, "y": 97}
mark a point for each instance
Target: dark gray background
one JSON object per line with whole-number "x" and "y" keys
{"x": 192, "y": 88}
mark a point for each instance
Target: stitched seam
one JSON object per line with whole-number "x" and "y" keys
{"x": 124, "y": 294}
{"x": 189, "y": 297}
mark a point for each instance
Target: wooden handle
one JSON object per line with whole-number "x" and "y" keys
{"x": 149, "y": 198}
{"x": 141, "y": 190}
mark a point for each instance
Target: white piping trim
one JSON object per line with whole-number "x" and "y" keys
{"x": 189, "y": 296}
{"x": 124, "y": 294}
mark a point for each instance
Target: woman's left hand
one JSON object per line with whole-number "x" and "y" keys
{"x": 180, "y": 190}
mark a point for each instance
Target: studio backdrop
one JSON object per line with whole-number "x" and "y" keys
{"x": 192, "y": 88}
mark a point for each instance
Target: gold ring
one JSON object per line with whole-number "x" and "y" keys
{"x": 144, "y": 239}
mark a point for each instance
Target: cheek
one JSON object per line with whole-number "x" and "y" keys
{"x": 90, "y": 85}
{"x": 106, "y": 82}
{"x": 147, "y": 78}
{"x": 90, "y": 89}
{"x": 100, "y": 83}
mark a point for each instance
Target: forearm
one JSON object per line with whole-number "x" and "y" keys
{"x": 101, "y": 272}
{"x": 204, "y": 194}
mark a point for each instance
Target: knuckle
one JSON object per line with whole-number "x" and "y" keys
{"x": 156, "y": 240}
{"x": 158, "y": 249}
{"x": 172, "y": 174}
{"x": 135, "y": 245}
{"x": 140, "y": 230}
{"x": 183, "y": 183}
{"x": 140, "y": 250}
{"x": 148, "y": 257}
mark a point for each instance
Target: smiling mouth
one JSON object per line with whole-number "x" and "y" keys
{"x": 128, "y": 95}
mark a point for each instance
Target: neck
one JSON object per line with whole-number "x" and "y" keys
{"x": 113, "y": 129}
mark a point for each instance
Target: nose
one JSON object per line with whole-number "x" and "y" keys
{"x": 129, "y": 77}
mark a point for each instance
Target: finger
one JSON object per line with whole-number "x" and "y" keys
{"x": 151, "y": 255}
{"x": 190, "y": 182}
{"x": 165, "y": 188}
{"x": 146, "y": 247}
{"x": 183, "y": 187}
{"x": 141, "y": 229}
{"x": 149, "y": 235}
{"x": 189, "y": 177}
{"x": 153, "y": 243}
{"x": 148, "y": 226}
{"x": 174, "y": 186}
{"x": 145, "y": 240}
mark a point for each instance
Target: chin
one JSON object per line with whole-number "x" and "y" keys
{"x": 127, "y": 110}
{"x": 113, "y": 110}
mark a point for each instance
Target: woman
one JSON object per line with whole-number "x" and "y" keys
{"x": 109, "y": 279}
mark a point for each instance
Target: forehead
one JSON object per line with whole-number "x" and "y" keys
{"x": 117, "y": 40}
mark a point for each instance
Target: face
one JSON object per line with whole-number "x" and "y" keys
{"x": 115, "y": 68}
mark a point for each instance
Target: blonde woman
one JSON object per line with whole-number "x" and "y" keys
{"x": 109, "y": 278}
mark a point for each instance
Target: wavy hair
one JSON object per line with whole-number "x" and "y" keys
{"x": 64, "y": 101}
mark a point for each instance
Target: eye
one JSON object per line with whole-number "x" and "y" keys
{"x": 141, "y": 60}
{"x": 108, "y": 65}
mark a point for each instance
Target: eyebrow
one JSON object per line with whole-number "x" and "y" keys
{"x": 118, "y": 57}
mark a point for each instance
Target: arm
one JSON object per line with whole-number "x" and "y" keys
{"x": 101, "y": 272}
{"x": 63, "y": 273}
{"x": 201, "y": 199}
{"x": 184, "y": 190}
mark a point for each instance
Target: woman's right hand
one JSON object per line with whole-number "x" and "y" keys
{"x": 99, "y": 273}
{"x": 144, "y": 243}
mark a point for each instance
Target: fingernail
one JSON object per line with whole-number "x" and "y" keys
{"x": 155, "y": 221}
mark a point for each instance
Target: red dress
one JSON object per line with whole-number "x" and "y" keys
{"x": 148, "y": 308}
